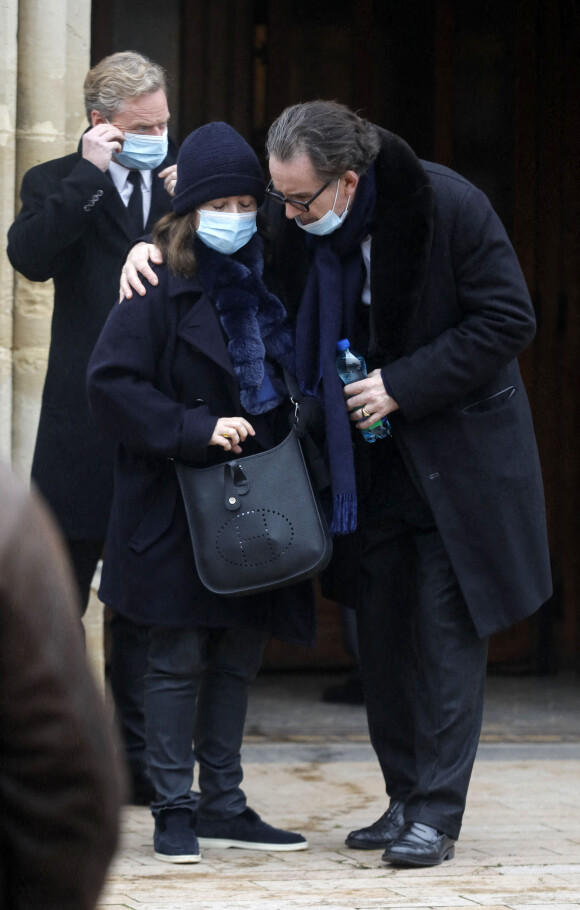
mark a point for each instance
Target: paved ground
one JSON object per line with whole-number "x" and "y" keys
{"x": 309, "y": 767}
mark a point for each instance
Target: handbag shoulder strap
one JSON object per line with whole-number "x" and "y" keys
{"x": 295, "y": 397}
{"x": 292, "y": 386}
{"x": 317, "y": 466}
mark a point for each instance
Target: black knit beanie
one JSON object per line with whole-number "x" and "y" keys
{"x": 213, "y": 162}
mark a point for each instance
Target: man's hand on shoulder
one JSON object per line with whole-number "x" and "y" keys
{"x": 100, "y": 143}
{"x": 137, "y": 265}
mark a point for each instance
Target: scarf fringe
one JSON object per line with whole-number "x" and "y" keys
{"x": 343, "y": 513}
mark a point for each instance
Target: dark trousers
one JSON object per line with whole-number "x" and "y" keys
{"x": 197, "y": 692}
{"x": 129, "y": 644}
{"x": 422, "y": 663}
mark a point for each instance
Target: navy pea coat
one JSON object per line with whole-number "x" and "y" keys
{"x": 158, "y": 379}
{"x": 73, "y": 227}
{"x": 450, "y": 313}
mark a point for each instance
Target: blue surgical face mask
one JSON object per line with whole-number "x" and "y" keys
{"x": 143, "y": 152}
{"x": 226, "y": 232}
{"x": 328, "y": 223}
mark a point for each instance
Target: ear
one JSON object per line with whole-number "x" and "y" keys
{"x": 96, "y": 118}
{"x": 350, "y": 182}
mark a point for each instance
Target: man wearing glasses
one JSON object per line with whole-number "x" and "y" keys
{"x": 446, "y": 516}
{"x": 298, "y": 204}
{"x": 410, "y": 262}
{"x": 79, "y": 213}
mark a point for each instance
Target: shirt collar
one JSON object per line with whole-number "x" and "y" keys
{"x": 119, "y": 174}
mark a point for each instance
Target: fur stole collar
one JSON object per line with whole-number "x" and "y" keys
{"x": 400, "y": 247}
{"x": 253, "y": 319}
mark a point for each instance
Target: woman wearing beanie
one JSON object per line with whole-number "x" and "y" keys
{"x": 192, "y": 371}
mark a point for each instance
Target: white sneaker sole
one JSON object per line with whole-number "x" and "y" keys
{"x": 183, "y": 858}
{"x": 224, "y": 843}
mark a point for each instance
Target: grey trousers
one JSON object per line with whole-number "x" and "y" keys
{"x": 196, "y": 695}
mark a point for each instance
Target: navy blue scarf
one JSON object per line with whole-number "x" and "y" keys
{"x": 327, "y": 313}
{"x": 254, "y": 320}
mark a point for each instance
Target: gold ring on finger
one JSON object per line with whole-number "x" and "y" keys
{"x": 364, "y": 411}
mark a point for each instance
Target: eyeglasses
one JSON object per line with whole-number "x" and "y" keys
{"x": 301, "y": 206}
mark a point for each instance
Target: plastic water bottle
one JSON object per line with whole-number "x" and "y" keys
{"x": 352, "y": 367}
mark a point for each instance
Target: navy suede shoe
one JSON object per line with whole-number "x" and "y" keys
{"x": 175, "y": 840}
{"x": 247, "y": 830}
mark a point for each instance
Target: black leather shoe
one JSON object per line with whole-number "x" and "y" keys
{"x": 382, "y": 833}
{"x": 419, "y": 845}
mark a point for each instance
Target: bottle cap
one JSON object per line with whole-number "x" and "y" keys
{"x": 343, "y": 344}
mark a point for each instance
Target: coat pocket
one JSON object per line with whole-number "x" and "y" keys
{"x": 491, "y": 403}
{"x": 156, "y": 519}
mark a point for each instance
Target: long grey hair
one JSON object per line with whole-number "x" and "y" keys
{"x": 334, "y": 138}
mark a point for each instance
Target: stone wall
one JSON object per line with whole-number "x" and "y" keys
{"x": 8, "y": 63}
{"x": 45, "y": 57}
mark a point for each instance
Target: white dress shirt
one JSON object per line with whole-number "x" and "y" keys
{"x": 119, "y": 175}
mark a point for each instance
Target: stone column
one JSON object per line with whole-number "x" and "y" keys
{"x": 50, "y": 32}
{"x": 77, "y": 65}
{"x": 8, "y": 63}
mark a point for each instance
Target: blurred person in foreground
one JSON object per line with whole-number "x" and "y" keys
{"x": 60, "y": 779}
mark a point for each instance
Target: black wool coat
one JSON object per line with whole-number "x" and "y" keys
{"x": 74, "y": 228}
{"x": 449, "y": 315}
{"x": 158, "y": 379}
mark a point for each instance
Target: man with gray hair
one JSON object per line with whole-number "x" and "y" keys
{"x": 410, "y": 262}
{"x": 79, "y": 213}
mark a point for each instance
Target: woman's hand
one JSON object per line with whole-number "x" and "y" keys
{"x": 136, "y": 264}
{"x": 230, "y": 432}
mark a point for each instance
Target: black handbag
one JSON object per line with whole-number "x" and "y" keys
{"x": 255, "y": 522}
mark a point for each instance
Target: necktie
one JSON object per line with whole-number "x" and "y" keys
{"x": 135, "y": 206}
